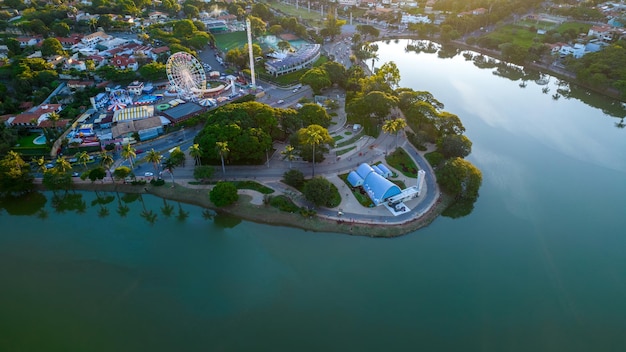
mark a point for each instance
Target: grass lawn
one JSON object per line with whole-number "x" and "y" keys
{"x": 253, "y": 185}
{"x": 578, "y": 26}
{"x": 402, "y": 162}
{"x": 337, "y": 137}
{"x": 343, "y": 151}
{"x": 230, "y": 40}
{"x": 301, "y": 12}
{"x": 27, "y": 141}
{"x": 514, "y": 34}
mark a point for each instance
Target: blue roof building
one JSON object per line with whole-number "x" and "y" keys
{"x": 376, "y": 186}
{"x": 354, "y": 179}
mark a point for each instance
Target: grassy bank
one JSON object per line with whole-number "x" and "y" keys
{"x": 270, "y": 215}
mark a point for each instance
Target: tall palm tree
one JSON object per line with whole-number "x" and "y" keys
{"x": 289, "y": 154}
{"x": 312, "y": 138}
{"x": 41, "y": 164}
{"x": 106, "y": 160}
{"x": 155, "y": 158}
{"x": 196, "y": 153}
{"x": 128, "y": 152}
{"x": 83, "y": 158}
{"x": 63, "y": 165}
{"x": 394, "y": 127}
{"x": 222, "y": 149}
{"x": 54, "y": 117}
{"x": 170, "y": 165}
{"x": 93, "y": 22}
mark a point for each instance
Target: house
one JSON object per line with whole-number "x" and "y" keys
{"x": 577, "y": 51}
{"x": 29, "y": 41}
{"x": 604, "y": 32}
{"x": 135, "y": 88}
{"x": 4, "y": 51}
{"x": 35, "y": 117}
{"x": 68, "y": 42}
{"x": 348, "y": 2}
{"x": 94, "y": 38}
{"x": 161, "y": 50}
{"x": 79, "y": 85}
{"x": 124, "y": 62}
{"x": 157, "y": 15}
{"x": 78, "y": 65}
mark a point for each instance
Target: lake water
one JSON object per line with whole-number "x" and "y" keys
{"x": 539, "y": 265}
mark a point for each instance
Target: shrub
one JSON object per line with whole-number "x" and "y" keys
{"x": 294, "y": 178}
{"x": 283, "y": 203}
{"x": 223, "y": 194}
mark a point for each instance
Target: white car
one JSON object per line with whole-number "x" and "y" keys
{"x": 148, "y": 174}
{"x": 280, "y": 101}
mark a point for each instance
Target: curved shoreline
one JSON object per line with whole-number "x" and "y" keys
{"x": 266, "y": 214}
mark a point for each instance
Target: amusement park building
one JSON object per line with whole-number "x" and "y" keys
{"x": 304, "y": 57}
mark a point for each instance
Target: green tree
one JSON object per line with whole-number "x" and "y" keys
{"x": 319, "y": 191}
{"x": 153, "y": 71}
{"x": 294, "y": 178}
{"x": 257, "y": 25}
{"x": 98, "y": 173}
{"x": 289, "y": 154}
{"x": 122, "y": 172}
{"x": 129, "y": 153}
{"x": 332, "y": 27}
{"x": 61, "y": 29}
{"x": 313, "y": 114}
{"x": 283, "y": 45}
{"x": 455, "y": 145}
{"x": 191, "y": 11}
{"x": 196, "y": 153}
{"x": 460, "y": 178}
{"x": 169, "y": 165}
{"x": 203, "y": 172}
{"x": 106, "y": 161}
{"x": 394, "y": 127}
{"x": 8, "y": 138}
{"x": 223, "y": 194}
{"x": 317, "y": 78}
{"x": 155, "y": 158}
{"x": 313, "y": 136}
{"x": 15, "y": 176}
{"x": 183, "y": 28}
{"x": 82, "y": 158}
{"x": 222, "y": 150}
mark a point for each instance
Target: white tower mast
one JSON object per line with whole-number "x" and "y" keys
{"x": 250, "y": 54}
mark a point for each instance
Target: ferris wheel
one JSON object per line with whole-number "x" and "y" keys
{"x": 186, "y": 75}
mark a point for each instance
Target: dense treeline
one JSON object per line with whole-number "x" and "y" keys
{"x": 606, "y": 68}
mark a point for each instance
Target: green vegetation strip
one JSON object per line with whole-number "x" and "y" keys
{"x": 343, "y": 151}
{"x": 253, "y": 185}
{"x": 361, "y": 198}
{"x": 402, "y": 162}
{"x": 349, "y": 141}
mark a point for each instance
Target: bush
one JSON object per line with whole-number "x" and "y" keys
{"x": 434, "y": 158}
{"x": 283, "y": 203}
{"x": 159, "y": 182}
{"x": 294, "y": 178}
{"x": 223, "y": 194}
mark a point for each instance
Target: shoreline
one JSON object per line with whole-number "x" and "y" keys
{"x": 266, "y": 214}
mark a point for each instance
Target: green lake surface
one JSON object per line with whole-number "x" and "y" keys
{"x": 539, "y": 265}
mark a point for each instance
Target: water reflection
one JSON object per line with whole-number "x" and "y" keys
{"x": 145, "y": 208}
{"x": 565, "y": 89}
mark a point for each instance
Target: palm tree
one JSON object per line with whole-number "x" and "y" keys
{"x": 106, "y": 160}
{"x": 83, "y": 158}
{"x": 128, "y": 152}
{"x": 63, "y": 165}
{"x": 394, "y": 127}
{"x": 41, "y": 164}
{"x": 92, "y": 23}
{"x": 170, "y": 165}
{"x": 222, "y": 149}
{"x": 312, "y": 138}
{"x": 54, "y": 117}
{"x": 155, "y": 158}
{"x": 289, "y": 154}
{"x": 196, "y": 153}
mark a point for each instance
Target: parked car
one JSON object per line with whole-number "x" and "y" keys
{"x": 280, "y": 101}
